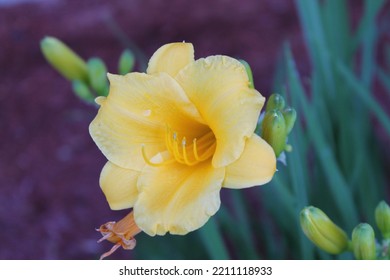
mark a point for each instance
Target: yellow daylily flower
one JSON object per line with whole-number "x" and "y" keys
{"x": 174, "y": 136}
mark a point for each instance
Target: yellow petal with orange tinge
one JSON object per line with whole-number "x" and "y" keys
{"x": 171, "y": 58}
{"x": 219, "y": 88}
{"x": 256, "y": 166}
{"x": 136, "y": 112}
{"x": 177, "y": 198}
{"x": 119, "y": 186}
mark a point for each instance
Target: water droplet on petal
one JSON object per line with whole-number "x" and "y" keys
{"x": 100, "y": 100}
{"x": 147, "y": 113}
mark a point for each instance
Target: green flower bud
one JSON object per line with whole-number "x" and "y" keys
{"x": 248, "y": 72}
{"x": 322, "y": 231}
{"x": 275, "y": 101}
{"x": 382, "y": 218}
{"x": 64, "y": 60}
{"x": 363, "y": 242}
{"x": 97, "y": 73}
{"x": 290, "y": 115}
{"x": 274, "y": 131}
{"x": 82, "y": 91}
{"x": 126, "y": 62}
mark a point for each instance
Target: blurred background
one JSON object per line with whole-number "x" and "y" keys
{"x": 330, "y": 59}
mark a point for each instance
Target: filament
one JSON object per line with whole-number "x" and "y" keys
{"x": 190, "y": 153}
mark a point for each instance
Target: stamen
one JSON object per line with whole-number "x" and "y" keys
{"x": 105, "y": 236}
{"x": 120, "y": 233}
{"x": 195, "y": 149}
{"x": 202, "y": 148}
{"x": 176, "y": 152}
{"x": 111, "y": 251}
{"x": 183, "y": 147}
{"x": 146, "y": 158}
{"x": 205, "y": 140}
{"x": 209, "y": 152}
{"x": 149, "y": 162}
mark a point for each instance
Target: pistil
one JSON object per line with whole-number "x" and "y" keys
{"x": 120, "y": 233}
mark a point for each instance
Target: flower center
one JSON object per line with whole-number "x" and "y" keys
{"x": 184, "y": 151}
{"x": 190, "y": 152}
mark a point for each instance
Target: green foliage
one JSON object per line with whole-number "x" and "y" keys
{"x": 336, "y": 163}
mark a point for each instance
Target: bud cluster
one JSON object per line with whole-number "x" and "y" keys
{"x": 277, "y": 123}
{"x": 89, "y": 78}
{"x": 329, "y": 237}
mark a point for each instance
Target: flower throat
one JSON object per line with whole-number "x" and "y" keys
{"x": 184, "y": 151}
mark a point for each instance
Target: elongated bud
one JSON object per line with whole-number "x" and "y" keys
{"x": 64, "y": 60}
{"x": 363, "y": 242}
{"x": 382, "y": 218}
{"x": 274, "y": 130}
{"x": 322, "y": 231}
{"x": 126, "y": 62}
{"x": 290, "y": 116}
{"x": 275, "y": 101}
{"x": 82, "y": 91}
{"x": 97, "y": 73}
{"x": 248, "y": 72}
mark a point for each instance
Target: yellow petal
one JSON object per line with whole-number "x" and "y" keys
{"x": 136, "y": 112}
{"x": 171, "y": 58}
{"x": 119, "y": 186}
{"x": 177, "y": 198}
{"x": 256, "y": 166}
{"x": 219, "y": 88}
